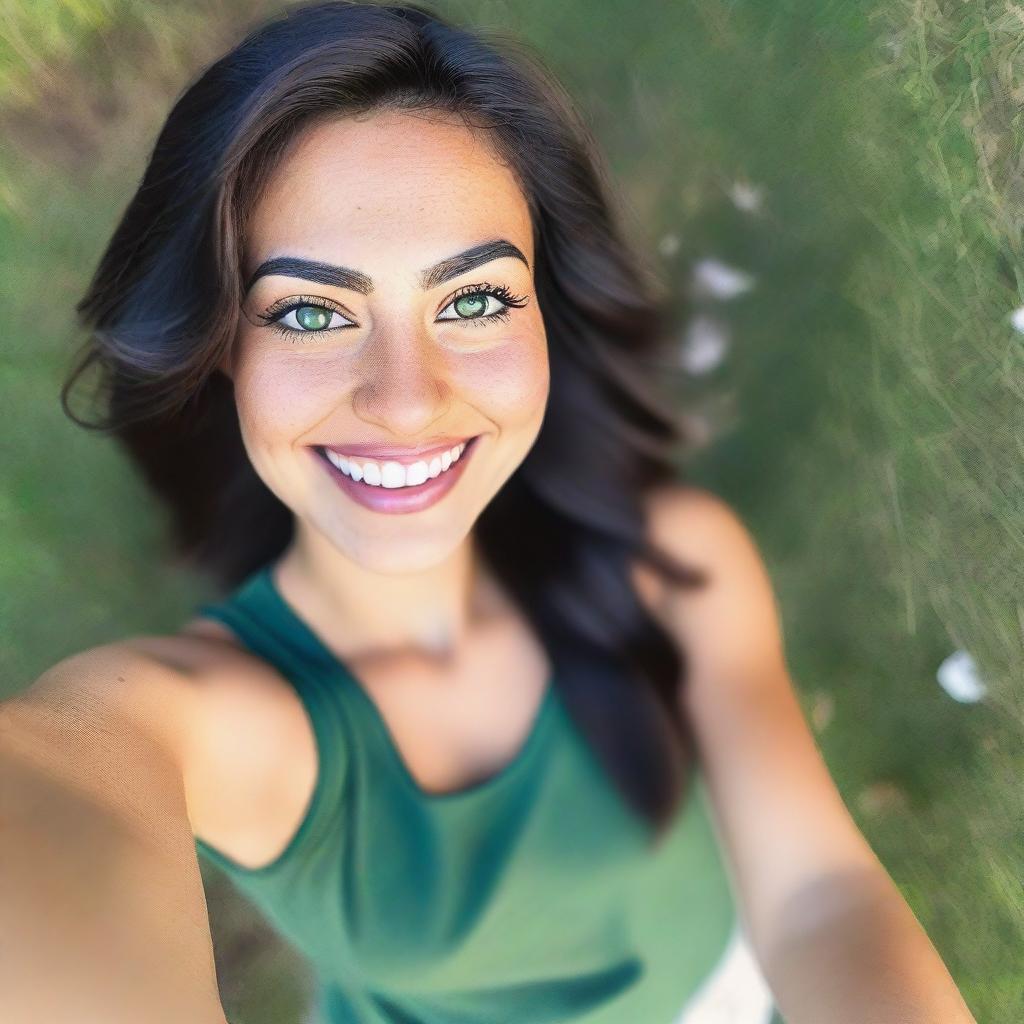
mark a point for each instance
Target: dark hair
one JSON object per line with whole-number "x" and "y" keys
{"x": 562, "y": 534}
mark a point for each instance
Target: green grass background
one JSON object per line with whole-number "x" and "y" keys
{"x": 866, "y": 422}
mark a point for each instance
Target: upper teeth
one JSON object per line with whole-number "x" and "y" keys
{"x": 394, "y": 474}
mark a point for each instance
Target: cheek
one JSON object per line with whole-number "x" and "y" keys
{"x": 281, "y": 395}
{"x": 508, "y": 383}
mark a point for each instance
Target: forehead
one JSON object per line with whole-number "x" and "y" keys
{"x": 410, "y": 187}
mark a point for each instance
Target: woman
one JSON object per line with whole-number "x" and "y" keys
{"x": 370, "y": 328}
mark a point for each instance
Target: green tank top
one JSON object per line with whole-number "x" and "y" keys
{"x": 528, "y": 897}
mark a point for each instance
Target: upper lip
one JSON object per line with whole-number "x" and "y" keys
{"x": 398, "y": 453}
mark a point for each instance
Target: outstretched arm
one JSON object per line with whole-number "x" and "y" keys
{"x": 102, "y": 911}
{"x": 835, "y": 939}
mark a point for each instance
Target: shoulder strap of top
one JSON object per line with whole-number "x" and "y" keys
{"x": 254, "y": 616}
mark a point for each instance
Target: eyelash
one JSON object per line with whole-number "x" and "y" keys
{"x": 273, "y": 316}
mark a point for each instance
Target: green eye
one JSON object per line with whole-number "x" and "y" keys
{"x": 307, "y": 318}
{"x": 471, "y": 305}
{"x": 312, "y": 318}
{"x": 480, "y": 304}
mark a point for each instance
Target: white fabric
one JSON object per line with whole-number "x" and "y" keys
{"x": 735, "y": 992}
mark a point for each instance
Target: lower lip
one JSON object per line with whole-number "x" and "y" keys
{"x": 400, "y": 500}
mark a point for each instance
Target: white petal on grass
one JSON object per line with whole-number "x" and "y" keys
{"x": 822, "y": 709}
{"x": 704, "y": 346}
{"x": 1017, "y": 319}
{"x": 882, "y": 797}
{"x": 958, "y": 676}
{"x": 747, "y": 197}
{"x": 669, "y": 244}
{"x": 717, "y": 280}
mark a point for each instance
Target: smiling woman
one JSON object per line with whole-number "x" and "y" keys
{"x": 410, "y": 252}
{"x": 371, "y": 329}
{"x": 402, "y": 343}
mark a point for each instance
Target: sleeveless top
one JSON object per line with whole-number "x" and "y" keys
{"x": 528, "y": 897}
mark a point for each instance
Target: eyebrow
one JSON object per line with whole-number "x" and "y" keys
{"x": 345, "y": 277}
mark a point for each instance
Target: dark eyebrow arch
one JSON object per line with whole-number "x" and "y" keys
{"x": 345, "y": 277}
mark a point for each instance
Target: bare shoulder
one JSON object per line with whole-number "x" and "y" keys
{"x": 109, "y": 682}
{"x": 732, "y": 627}
{"x": 107, "y": 712}
{"x": 686, "y": 520}
{"x": 250, "y": 760}
{"x": 231, "y": 724}
{"x": 694, "y": 524}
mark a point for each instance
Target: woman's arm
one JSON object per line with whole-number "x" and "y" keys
{"x": 854, "y": 952}
{"x": 102, "y": 911}
{"x": 835, "y": 939}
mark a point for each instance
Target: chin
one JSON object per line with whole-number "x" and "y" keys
{"x": 398, "y": 550}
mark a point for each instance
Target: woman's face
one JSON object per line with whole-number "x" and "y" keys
{"x": 365, "y": 325}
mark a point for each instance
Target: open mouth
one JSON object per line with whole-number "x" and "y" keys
{"x": 389, "y": 486}
{"x": 393, "y": 475}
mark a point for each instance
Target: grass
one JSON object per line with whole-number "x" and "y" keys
{"x": 866, "y": 422}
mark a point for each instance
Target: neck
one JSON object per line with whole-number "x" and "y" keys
{"x": 357, "y": 611}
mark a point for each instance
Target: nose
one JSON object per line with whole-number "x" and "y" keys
{"x": 403, "y": 384}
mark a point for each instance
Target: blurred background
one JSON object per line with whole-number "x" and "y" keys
{"x": 835, "y": 194}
